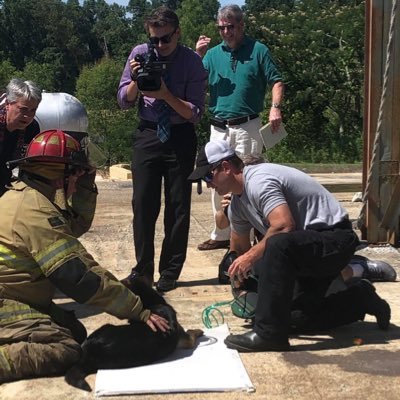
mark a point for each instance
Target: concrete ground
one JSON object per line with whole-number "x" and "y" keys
{"x": 324, "y": 366}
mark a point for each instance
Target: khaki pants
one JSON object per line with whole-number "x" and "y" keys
{"x": 244, "y": 139}
{"x": 32, "y": 345}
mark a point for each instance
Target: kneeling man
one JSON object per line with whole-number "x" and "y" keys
{"x": 308, "y": 239}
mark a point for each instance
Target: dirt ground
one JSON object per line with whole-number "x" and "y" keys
{"x": 325, "y": 366}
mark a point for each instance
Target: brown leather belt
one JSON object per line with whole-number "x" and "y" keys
{"x": 223, "y": 123}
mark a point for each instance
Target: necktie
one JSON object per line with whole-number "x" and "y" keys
{"x": 164, "y": 112}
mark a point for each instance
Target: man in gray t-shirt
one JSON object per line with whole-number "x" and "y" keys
{"x": 267, "y": 186}
{"x": 308, "y": 239}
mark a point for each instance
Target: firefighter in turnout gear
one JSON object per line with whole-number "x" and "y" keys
{"x": 42, "y": 215}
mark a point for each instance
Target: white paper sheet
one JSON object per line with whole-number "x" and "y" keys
{"x": 211, "y": 367}
{"x": 269, "y": 138}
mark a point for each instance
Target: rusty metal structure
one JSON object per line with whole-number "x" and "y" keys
{"x": 380, "y": 217}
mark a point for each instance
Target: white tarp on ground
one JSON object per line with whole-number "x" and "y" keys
{"x": 211, "y": 367}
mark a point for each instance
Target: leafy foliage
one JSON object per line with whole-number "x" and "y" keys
{"x": 110, "y": 127}
{"x": 198, "y": 18}
{"x": 320, "y": 54}
{"x": 6, "y": 71}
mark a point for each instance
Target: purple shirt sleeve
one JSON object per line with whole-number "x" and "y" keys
{"x": 188, "y": 81}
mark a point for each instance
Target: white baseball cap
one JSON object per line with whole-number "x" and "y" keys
{"x": 210, "y": 155}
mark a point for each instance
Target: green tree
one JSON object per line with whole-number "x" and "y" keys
{"x": 198, "y": 18}
{"x": 7, "y": 71}
{"x": 45, "y": 31}
{"x": 256, "y": 6}
{"x": 109, "y": 127}
{"x": 43, "y": 74}
{"x": 114, "y": 32}
{"x": 172, "y": 4}
{"x": 319, "y": 49}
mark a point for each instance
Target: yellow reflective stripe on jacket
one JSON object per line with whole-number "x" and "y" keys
{"x": 56, "y": 252}
{"x": 5, "y": 361}
{"x": 17, "y": 262}
{"x": 13, "y": 311}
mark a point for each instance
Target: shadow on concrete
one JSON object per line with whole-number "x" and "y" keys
{"x": 347, "y": 336}
{"x": 362, "y": 359}
{"x": 200, "y": 282}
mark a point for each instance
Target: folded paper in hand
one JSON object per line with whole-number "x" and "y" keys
{"x": 269, "y": 138}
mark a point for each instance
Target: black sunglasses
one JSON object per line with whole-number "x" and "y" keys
{"x": 163, "y": 39}
{"x": 230, "y": 27}
{"x": 207, "y": 178}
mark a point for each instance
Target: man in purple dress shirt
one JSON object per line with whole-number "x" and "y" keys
{"x": 168, "y": 156}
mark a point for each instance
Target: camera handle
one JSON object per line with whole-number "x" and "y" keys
{"x": 140, "y": 59}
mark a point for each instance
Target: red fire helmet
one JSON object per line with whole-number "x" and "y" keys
{"x": 54, "y": 146}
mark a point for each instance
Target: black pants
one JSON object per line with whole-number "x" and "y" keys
{"x": 312, "y": 259}
{"x": 153, "y": 162}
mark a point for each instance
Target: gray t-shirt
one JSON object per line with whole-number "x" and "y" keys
{"x": 266, "y": 186}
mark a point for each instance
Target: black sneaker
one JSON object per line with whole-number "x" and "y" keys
{"x": 375, "y": 270}
{"x": 375, "y": 305}
{"x": 165, "y": 284}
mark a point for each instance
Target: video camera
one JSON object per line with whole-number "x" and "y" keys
{"x": 148, "y": 76}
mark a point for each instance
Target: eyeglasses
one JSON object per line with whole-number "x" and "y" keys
{"x": 208, "y": 178}
{"x": 210, "y": 175}
{"x": 222, "y": 28}
{"x": 163, "y": 39}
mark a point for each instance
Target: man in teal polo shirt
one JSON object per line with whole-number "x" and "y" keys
{"x": 240, "y": 71}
